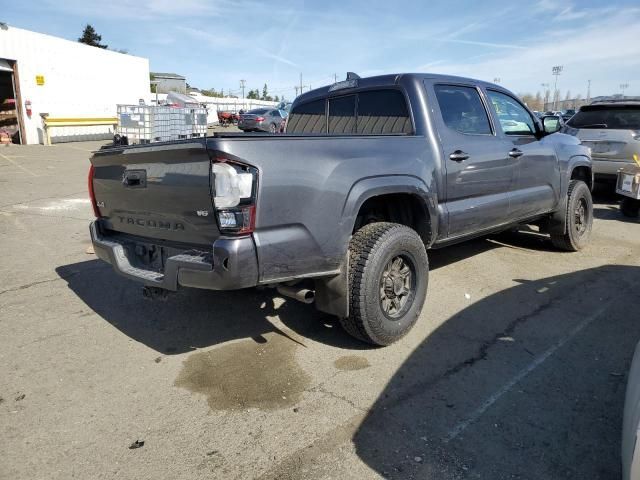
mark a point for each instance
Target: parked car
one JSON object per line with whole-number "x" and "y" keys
{"x": 567, "y": 114}
{"x": 612, "y": 130}
{"x": 341, "y": 209}
{"x": 261, "y": 120}
{"x": 631, "y": 422}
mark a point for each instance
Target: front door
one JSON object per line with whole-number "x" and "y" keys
{"x": 537, "y": 182}
{"x": 478, "y": 171}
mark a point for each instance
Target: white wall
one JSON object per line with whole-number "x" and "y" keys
{"x": 80, "y": 81}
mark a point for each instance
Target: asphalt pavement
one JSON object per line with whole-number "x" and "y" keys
{"x": 516, "y": 368}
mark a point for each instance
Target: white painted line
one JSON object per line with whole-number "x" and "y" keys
{"x": 458, "y": 429}
{"x": 18, "y": 165}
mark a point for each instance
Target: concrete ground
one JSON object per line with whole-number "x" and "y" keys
{"x": 516, "y": 369}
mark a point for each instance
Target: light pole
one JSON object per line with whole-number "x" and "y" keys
{"x": 242, "y": 84}
{"x": 546, "y": 95}
{"x": 556, "y": 71}
{"x": 588, "y": 92}
{"x": 623, "y": 87}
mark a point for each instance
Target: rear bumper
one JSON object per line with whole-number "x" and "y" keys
{"x": 608, "y": 168}
{"x": 233, "y": 265}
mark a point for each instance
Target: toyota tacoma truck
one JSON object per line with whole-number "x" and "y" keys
{"x": 341, "y": 209}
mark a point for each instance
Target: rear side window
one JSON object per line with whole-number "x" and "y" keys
{"x": 342, "y": 115}
{"x": 462, "y": 109}
{"x": 383, "y": 112}
{"x": 621, "y": 117}
{"x": 307, "y": 118}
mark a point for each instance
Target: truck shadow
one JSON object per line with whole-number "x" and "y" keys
{"x": 460, "y": 406}
{"x": 192, "y": 318}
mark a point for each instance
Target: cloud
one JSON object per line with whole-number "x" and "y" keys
{"x": 603, "y": 49}
{"x": 273, "y": 56}
{"x": 482, "y": 44}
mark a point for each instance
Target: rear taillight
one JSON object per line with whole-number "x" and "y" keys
{"x": 234, "y": 190}
{"x": 260, "y": 119}
{"x": 92, "y": 194}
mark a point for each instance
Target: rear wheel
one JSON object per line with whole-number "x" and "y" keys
{"x": 273, "y": 128}
{"x": 579, "y": 218}
{"x": 630, "y": 207}
{"x": 388, "y": 277}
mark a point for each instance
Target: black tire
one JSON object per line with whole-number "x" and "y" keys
{"x": 579, "y": 218}
{"x": 384, "y": 300}
{"x": 630, "y": 207}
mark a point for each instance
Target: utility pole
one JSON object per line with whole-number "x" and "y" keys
{"x": 496, "y": 80}
{"x": 242, "y": 84}
{"x": 335, "y": 78}
{"x": 588, "y": 92}
{"x": 623, "y": 87}
{"x": 296, "y": 87}
{"x": 556, "y": 71}
{"x": 301, "y": 84}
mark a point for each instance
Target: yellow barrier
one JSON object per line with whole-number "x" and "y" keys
{"x": 74, "y": 122}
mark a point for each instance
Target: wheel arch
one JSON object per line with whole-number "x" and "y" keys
{"x": 406, "y": 200}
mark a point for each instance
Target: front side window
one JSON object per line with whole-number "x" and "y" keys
{"x": 308, "y": 118}
{"x": 462, "y": 109}
{"x": 513, "y": 117}
{"x": 342, "y": 115}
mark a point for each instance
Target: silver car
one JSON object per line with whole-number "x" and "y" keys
{"x": 612, "y": 130}
{"x": 261, "y": 120}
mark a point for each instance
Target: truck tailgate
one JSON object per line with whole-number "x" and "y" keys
{"x": 159, "y": 192}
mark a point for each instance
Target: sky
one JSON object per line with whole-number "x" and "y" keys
{"x": 216, "y": 43}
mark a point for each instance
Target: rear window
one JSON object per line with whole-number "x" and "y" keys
{"x": 258, "y": 111}
{"x": 342, "y": 115}
{"x": 620, "y": 117}
{"x": 374, "y": 112}
{"x": 307, "y": 118}
{"x": 383, "y": 112}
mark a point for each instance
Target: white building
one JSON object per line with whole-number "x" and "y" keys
{"x": 67, "y": 80}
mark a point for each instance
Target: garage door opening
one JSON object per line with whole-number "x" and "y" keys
{"x": 10, "y": 122}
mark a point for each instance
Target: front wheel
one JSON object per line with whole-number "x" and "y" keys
{"x": 579, "y": 218}
{"x": 388, "y": 277}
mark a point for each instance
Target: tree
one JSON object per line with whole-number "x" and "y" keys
{"x": 91, "y": 37}
{"x": 276, "y": 99}
{"x": 154, "y": 86}
{"x": 252, "y": 95}
{"x": 539, "y": 104}
{"x": 568, "y": 97}
{"x": 264, "y": 92}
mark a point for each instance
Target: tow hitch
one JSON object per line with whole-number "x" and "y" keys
{"x": 155, "y": 293}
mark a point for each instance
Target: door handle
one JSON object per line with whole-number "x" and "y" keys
{"x": 458, "y": 156}
{"x": 515, "y": 153}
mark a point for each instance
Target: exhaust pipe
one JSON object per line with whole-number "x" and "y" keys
{"x": 303, "y": 295}
{"x": 154, "y": 293}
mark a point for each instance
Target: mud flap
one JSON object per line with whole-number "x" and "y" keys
{"x": 332, "y": 293}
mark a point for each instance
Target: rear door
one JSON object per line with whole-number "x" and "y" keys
{"x": 536, "y": 187}
{"x": 159, "y": 192}
{"x": 478, "y": 171}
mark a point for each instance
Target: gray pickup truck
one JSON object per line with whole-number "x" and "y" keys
{"x": 341, "y": 210}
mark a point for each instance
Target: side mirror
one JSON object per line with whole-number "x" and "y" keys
{"x": 551, "y": 123}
